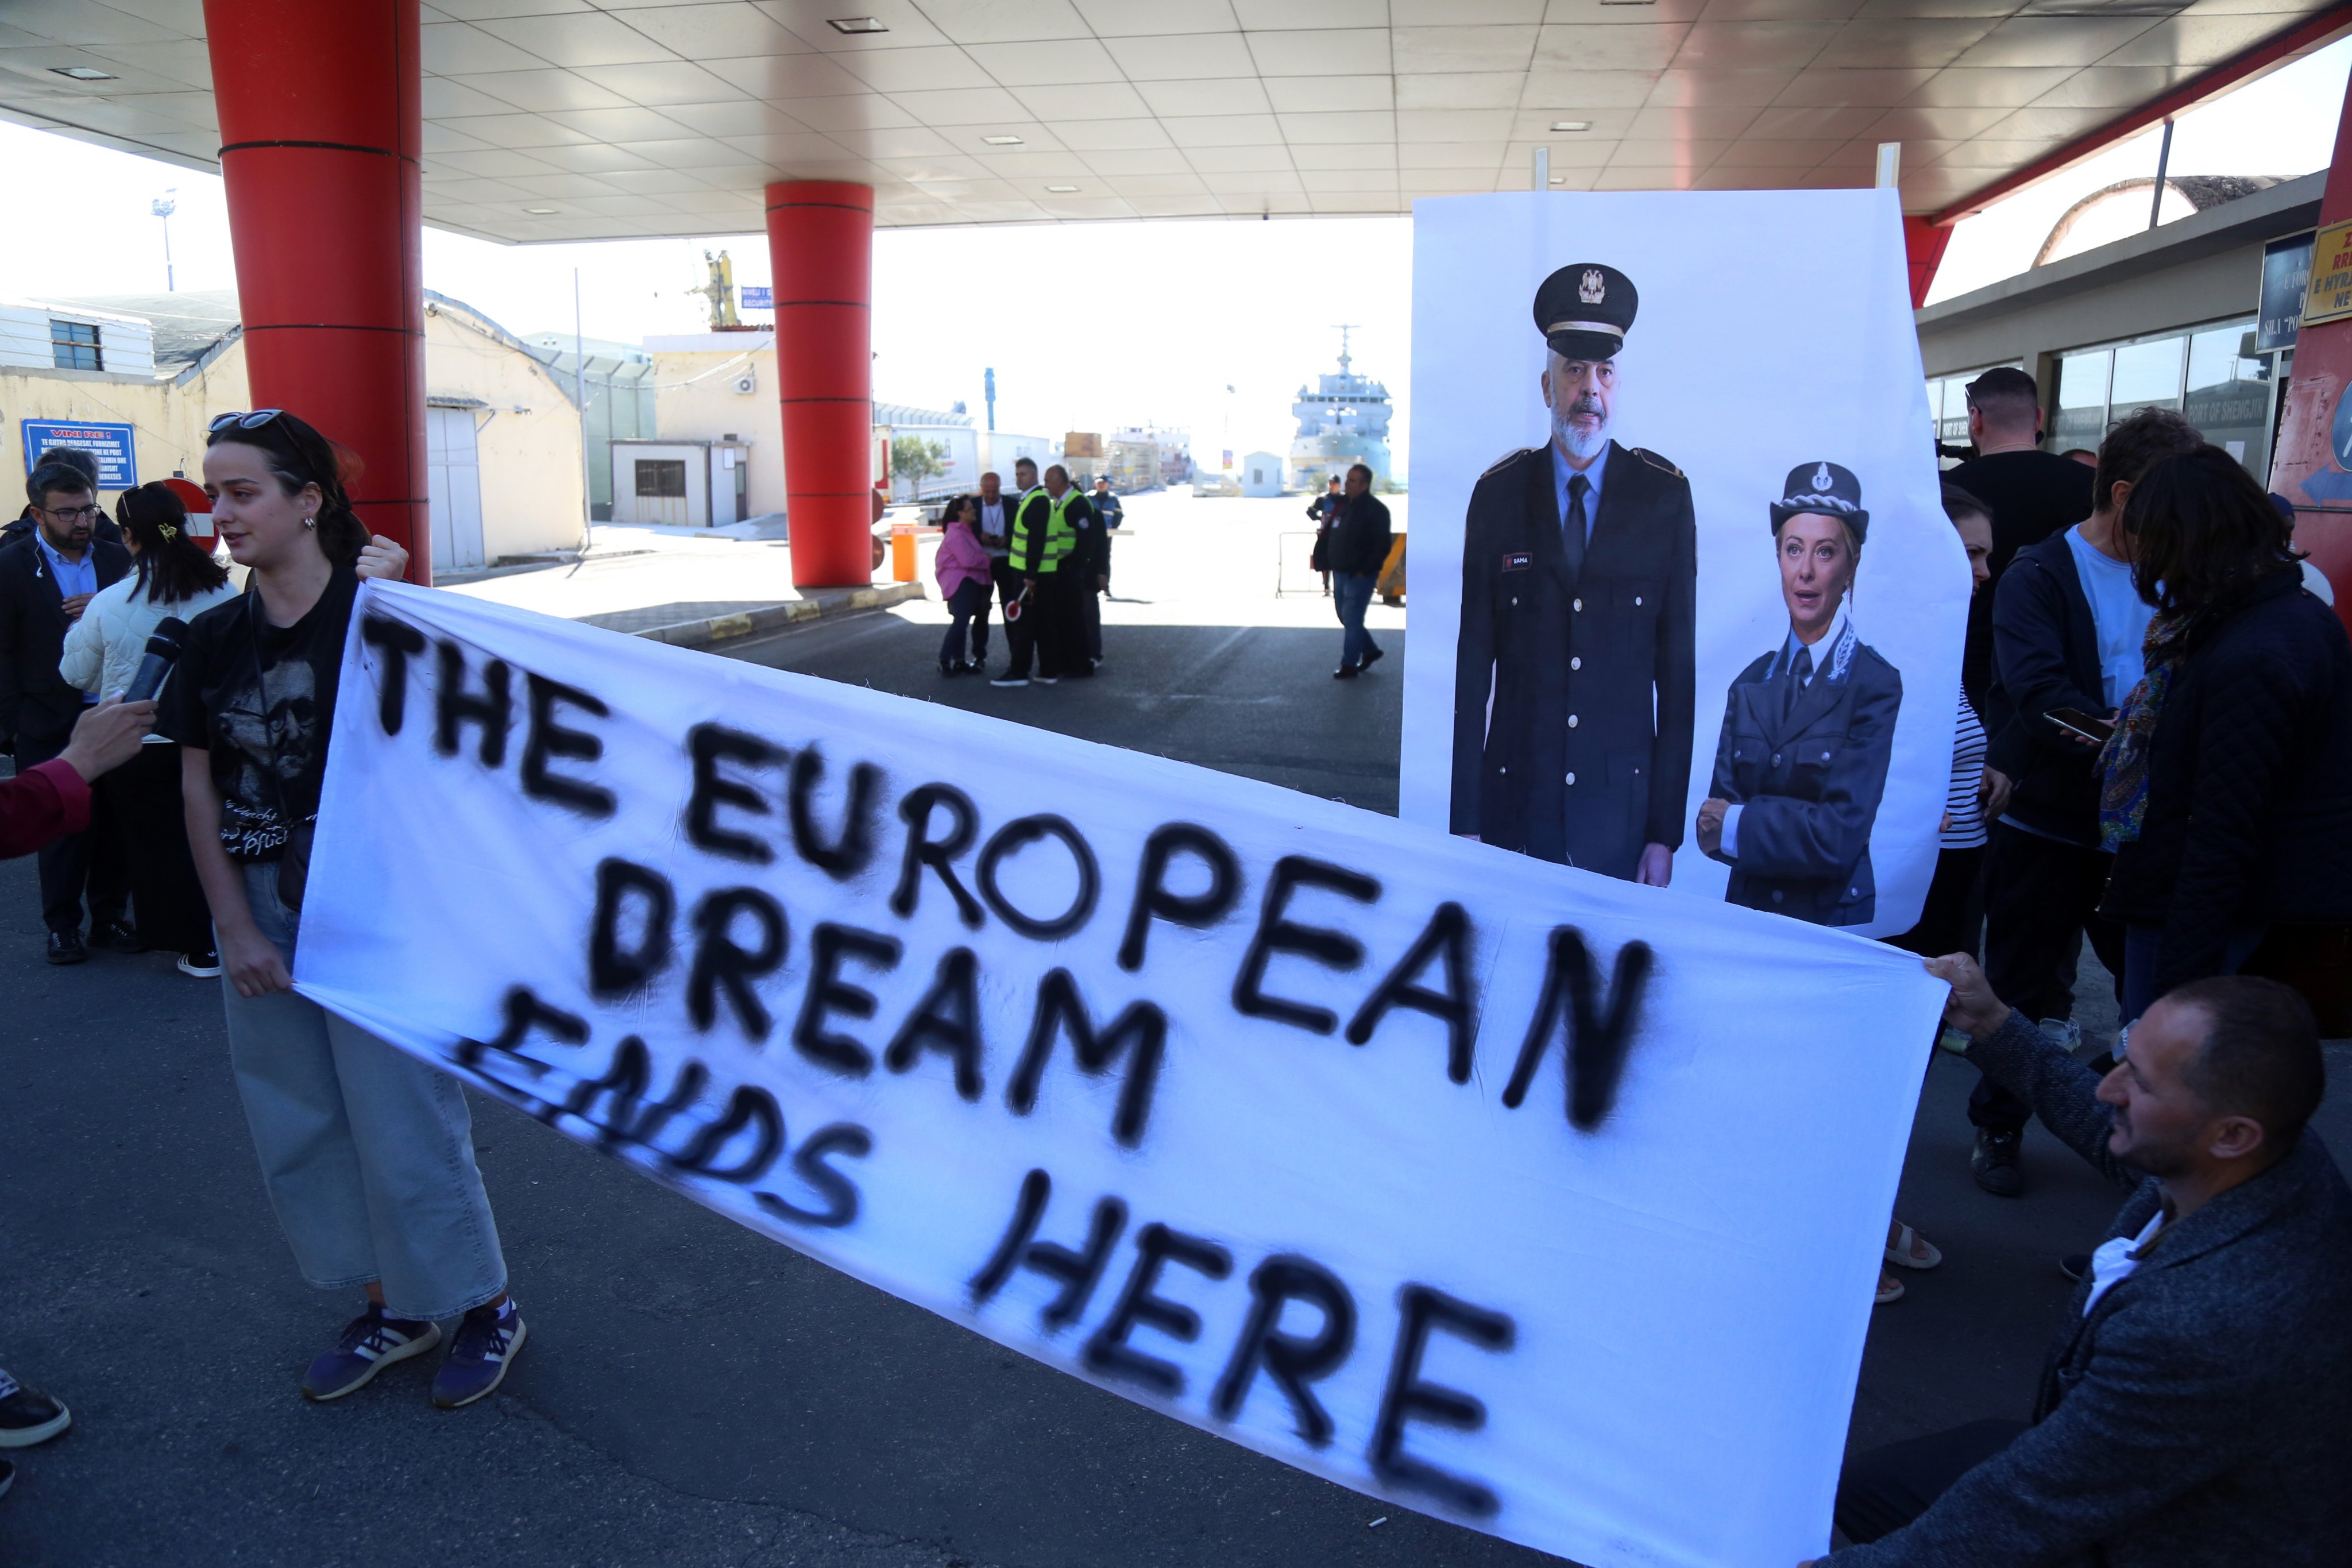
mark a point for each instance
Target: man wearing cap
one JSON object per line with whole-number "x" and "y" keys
{"x": 1573, "y": 670}
{"x": 1808, "y": 728}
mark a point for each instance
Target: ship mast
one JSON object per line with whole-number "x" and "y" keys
{"x": 1344, "y": 329}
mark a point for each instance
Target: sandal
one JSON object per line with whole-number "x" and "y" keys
{"x": 1890, "y": 1289}
{"x": 1899, "y": 1251}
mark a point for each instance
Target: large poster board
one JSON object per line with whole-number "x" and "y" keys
{"x": 1449, "y": 1176}
{"x": 1741, "y": 395}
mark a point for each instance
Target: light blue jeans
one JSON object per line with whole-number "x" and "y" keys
{"x": 1351, "y": 596}
{"x": 367, "y": 1153}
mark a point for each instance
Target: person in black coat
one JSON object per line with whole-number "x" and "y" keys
{"x": 1575, "y": 672}
{"x": 2196, "y": 1406}
{"x": 82, "y": 462}
{"x": 1808, "y": 729}
{"x": 47, "y": 576}
{"x": 1356, "y": 549}
{"x": 2227, "y": 788}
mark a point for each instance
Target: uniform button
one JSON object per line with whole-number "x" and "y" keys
{"x": 1776, "y": 758}
{"x": 1576, "y": 664}
{"x": 1572, "y": 720}
{"x": 1572, "y": 778}
{"x": 1506, "y": 772}
{"x": 1515, "y": 601}
{"x": 1576, "y": 603}
{"x": 1825, "y": 756}
{"x": 1778, "y": 895}
{"x": 1637, "y": 601}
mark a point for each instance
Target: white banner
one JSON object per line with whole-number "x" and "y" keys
{"x": 1536, "y": 1201}
{"x": 1761, "y": 361}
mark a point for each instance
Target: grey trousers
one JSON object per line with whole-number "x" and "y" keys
{"x": 367, "y": 1153}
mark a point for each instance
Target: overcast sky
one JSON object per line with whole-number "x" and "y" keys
{"x": 1088, "y": 327}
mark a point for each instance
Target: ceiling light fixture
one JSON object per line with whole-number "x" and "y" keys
{"x": 1063, "y": 190}
{"x": 84, "y": 73}
{"x": 541, "y": 212}
{"x": 1002, "y": 141}
{"x": 1571, "y": 125}
{"x": 854, "y": 25}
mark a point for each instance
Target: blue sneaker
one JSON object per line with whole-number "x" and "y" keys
{"x": 479, "y": 1357}
{"x": 371, "y": 1343}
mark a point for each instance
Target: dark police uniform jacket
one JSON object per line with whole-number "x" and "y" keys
{"x": 1587, "y": 754}
{"x": 1808, "y": 781}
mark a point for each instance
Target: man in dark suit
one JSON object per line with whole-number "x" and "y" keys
{"x": 1574, "y": 666}
{"x": 47, "y": 578}
{"x": 2197, "y": 1407}
{"x": 1808, "y": 729}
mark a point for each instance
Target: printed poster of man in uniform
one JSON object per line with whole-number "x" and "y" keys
{"x": 1808, "y": 728}
{"x": 1573, "y": 681}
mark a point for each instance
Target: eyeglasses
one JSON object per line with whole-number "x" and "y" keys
{"x": 253, "y": 421}
{"x": 70, "y": 514}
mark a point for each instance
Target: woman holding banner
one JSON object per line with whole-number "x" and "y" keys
{"x": 368, "y": 1155}
{"x": 1807, "y": 728}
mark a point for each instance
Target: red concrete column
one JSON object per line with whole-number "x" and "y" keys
{"x": 2310, "y": 460}
{"x": 320, "y": 131}
{"x": 1923, "y": 242}
{"x": 820, "y": 247}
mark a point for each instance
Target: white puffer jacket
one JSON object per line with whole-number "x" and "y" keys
{"x": 103, "y": 649}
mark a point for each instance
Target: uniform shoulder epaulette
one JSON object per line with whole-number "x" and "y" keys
{"x": 1506, "y": 460}
{"x": 1655, "y": 461}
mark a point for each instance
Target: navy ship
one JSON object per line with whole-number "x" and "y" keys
{"x": 1344, "y": 421}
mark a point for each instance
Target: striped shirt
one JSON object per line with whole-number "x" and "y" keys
{"x": 1964, "y": 825}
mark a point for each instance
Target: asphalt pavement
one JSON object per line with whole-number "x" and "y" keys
{"x": 692, "y": 1394}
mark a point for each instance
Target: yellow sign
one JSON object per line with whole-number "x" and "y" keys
{"x": 2329, "y": 298}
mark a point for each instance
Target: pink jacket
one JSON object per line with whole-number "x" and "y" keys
{"x": 961, "y": 559}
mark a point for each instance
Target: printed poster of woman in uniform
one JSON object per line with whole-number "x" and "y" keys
{"x": 1808, "y": 729}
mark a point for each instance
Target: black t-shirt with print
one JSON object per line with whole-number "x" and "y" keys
{"x": 261, "y": 699}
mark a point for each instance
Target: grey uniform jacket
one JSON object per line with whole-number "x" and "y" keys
{"x": 1806, "y": 774}
{"x": 2200, "y": 1416}
{"x": 1587, "y": 754}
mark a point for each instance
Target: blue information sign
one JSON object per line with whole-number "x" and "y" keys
{"x": 756, "y": 298}
{"x": 111, "y": 445}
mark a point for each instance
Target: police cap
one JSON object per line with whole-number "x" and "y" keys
{"x": 1825, "y": 490}
{"x": 1584, "y": 309}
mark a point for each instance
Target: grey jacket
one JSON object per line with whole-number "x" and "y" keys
{"x": 2202, "y": 1414}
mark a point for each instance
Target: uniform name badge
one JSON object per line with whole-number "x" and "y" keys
{"x": 1517, "y": 561}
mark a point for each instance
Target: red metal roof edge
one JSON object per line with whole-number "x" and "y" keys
{"x": 2304, "y": 35}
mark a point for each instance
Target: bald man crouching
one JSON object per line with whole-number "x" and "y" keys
{"x": 2197, "y": 1407}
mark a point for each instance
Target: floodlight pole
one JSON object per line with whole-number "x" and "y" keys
{"x": 2163, "y": 164}
{"x": 580, "y": 379}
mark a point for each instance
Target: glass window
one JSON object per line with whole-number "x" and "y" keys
{"x": 662, "y": 476}
{"x": 2147, "y": 376}
{"x": 2230, "y": 392}
{"x": 2082, "y": 400}
{"x": 74, "y": 345}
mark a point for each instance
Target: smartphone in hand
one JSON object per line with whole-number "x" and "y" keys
{"x": 2083, "y": 726}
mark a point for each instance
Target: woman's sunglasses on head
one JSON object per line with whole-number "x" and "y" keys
{"x": 253, "y": 421}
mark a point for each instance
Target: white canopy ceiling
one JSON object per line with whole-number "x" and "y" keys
{"x": 564, "y": 120}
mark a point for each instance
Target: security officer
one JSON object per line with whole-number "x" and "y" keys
{"x": 1047, "y": 558}
{"x": 1807, "y": 728}
{"x": 1573, "y": 691}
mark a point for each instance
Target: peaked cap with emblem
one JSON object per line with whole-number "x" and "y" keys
{"x": 1825, "y": 490}
{"x": 1584, "y": 309}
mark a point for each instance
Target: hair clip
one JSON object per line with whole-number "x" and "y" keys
{"x": 167, "y": 530}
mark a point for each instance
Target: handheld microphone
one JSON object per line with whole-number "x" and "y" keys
{"x": 162, "y": 652}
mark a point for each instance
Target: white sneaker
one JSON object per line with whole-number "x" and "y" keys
{"x": 2064, "y": 1033}
{"x": 1048, "y": 679}
{"x": 203, "y": 966}
{"x": 1009, "y": 681}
